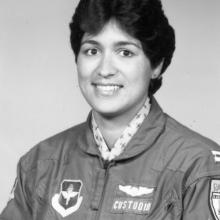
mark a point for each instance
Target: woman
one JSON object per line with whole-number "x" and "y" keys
{"x": 129, "y": 160}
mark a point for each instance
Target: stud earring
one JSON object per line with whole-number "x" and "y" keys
{"x": 154, "y": 76}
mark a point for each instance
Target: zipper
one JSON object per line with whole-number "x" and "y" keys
{"x": 107, "y": 165}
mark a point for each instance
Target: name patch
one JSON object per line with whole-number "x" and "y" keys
{"x": 131, "y": 205}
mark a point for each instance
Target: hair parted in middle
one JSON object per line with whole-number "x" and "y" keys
{"x": 142, "y": 19}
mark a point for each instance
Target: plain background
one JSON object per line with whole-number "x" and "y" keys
{"x": 39, "y": 93}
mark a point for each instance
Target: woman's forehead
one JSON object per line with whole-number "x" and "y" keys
{"x": 111, "y": 32}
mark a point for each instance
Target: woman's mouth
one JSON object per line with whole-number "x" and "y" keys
{"x": 107, "y": 89}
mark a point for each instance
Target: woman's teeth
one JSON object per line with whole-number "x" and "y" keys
{"x": 108, "y": 89}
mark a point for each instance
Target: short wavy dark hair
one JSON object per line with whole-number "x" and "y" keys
{"x": 143, "y": 19}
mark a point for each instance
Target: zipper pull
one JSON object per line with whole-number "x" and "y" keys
{"x": 108, "y": 164}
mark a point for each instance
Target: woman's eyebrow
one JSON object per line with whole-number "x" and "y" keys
{"x": 127, "y": 43}
{"x": 89, "y": 42}
{"x": 116, "y": 44}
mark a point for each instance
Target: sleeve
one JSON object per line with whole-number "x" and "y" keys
{"x": 19, "y": 205}
{"x": 201, "y": 199}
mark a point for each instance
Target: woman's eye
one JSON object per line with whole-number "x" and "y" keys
{"x": 126, "y": 53}
{"x": 91, "y": 52}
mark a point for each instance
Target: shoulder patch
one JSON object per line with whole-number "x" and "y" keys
{"x": 12, "y": 193}
{"x": 69, "y": 199}
{"x": 214, "y": 198}
{"x": 216, "y": 155}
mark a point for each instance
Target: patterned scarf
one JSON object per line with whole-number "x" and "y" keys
{"x": 122, "y": 141}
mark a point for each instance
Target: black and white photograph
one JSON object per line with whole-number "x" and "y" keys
{"x": 109, "y": 110}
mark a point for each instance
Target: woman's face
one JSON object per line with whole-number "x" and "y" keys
{"x": 113, "y": 71}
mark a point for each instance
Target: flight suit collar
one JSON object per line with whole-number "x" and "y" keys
{"x": 148, "y": 133}
{"x": 144, "y": 138}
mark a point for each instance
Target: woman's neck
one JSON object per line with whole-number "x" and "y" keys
{"x": 110, "y": 127}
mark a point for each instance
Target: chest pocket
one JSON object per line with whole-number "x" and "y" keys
{"x": 167, "y": 208}
{"x": 132, "y": 201}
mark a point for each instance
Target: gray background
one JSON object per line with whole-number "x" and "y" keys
{"x": 39, "y": 94}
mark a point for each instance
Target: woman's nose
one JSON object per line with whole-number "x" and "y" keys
{"x": 106, "y": 67}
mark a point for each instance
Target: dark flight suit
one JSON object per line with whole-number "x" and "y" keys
{"x": 166, "y": 172}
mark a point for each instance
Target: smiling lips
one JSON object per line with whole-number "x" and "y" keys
{"x": 107, "y": 89}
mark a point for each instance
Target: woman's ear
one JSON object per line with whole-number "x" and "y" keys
{"x": 157, "y": 70}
